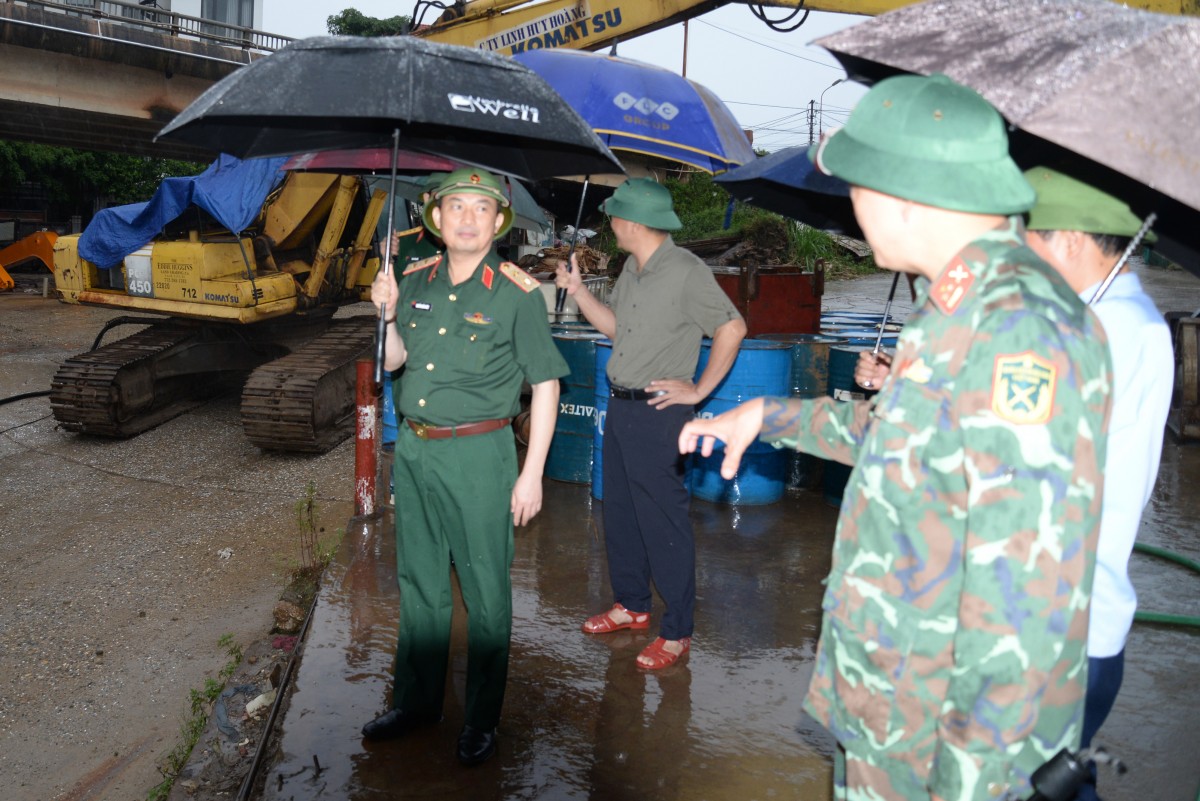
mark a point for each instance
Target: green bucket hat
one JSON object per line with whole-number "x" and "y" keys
{"x": 929, "y": 140}
{"x": 1067, "y": 204}
{"x": 645, "y": 201}
{"x": 467, "y": 181}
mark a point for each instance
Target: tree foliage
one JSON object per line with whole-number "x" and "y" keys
{"x": 74, "y": 179}
{"x": 352, "y": 22}
{"x": 703, "y": 206}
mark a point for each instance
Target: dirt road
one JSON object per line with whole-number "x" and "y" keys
{"x": 126, "y": 562}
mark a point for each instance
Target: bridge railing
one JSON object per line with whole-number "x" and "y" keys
{"x": 148, "y": 16}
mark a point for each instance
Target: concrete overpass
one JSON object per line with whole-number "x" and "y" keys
{"x": 108, "y": 75}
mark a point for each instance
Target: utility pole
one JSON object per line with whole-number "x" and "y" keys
{"x": 821, "y": 114}
{"x": 685, "y": 44}
{"x": 811, "y": 119}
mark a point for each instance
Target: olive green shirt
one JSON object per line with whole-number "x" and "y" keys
{"x": 663, "y": 311}
{"x": 470, "y": 346}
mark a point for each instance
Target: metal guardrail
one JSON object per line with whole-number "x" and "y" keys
{"x": 148, "y": 16}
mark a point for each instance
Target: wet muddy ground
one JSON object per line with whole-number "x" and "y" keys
{"x": 114, "y": 547}
{"x": 581, "y": 721}
{"x": 125, "y": 563}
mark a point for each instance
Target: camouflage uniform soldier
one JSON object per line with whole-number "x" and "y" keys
{"x": 952, "y": 657}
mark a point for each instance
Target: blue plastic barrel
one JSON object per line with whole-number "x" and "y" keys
{"x": 762, "y": 368}
{"x": 808, "y": 378}
{"x": 857, "y": 329}
{"x": 603, "y": 354}
{"x": 570, "y": 456}
{"x": 864, "y": 337}
{"x": 848, "y": 317}
{"x": 389, "y": 413}
{"x": 841, "y": 388}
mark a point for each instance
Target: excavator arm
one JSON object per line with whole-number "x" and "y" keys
{"x": 35, "y": 247}
{"x": 513, "y": 26}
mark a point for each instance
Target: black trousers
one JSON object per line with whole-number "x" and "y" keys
{"x": 647, "y": 530}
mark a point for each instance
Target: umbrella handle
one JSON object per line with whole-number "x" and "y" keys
{"x": 560, "y": 297}
{"x": 1133, "y": 243}
{"x": 886, "y": 309}
{"x": 381, "y": 324}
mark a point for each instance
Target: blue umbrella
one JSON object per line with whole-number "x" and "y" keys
{"x": 787, "y": 183}
{"x": 644, "y": 109}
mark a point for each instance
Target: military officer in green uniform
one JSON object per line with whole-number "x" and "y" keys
{"x": 952, "y": 661}
{"x": 468, "y": 330}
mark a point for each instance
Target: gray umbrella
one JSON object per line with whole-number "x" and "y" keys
{"x": 346, "y": 92}
{"x": 1090, "y": 78}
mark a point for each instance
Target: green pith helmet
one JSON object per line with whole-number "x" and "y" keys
{"x": 1067, "y": 204}
{"x": 929, "y": 140}
{"x": 467, "y": 181}
{"x": 645, "y": 201}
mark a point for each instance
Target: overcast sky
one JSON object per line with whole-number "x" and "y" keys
{"x": 766, "y": 78}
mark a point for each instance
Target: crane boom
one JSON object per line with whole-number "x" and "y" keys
{"x": 512, "y": 26}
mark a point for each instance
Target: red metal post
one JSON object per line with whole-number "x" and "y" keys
{"x": 366, "y": 437}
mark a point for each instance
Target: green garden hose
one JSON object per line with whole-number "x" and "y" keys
{"x": 1158, "y": 617}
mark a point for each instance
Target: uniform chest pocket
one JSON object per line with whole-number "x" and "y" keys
{"x": 479, "y": 342}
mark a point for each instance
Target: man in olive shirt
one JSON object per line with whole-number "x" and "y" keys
{"x": 664, "y": 302}
{"x": 469, "y": 329}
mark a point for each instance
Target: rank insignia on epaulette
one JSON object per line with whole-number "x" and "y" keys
{"x": 422, "y": 264}
{"x": 951, "y": 286}
{"x": 1023, "y": 387}
{"x": 518, "y": 276}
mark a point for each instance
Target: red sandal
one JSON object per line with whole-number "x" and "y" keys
{"x": 604, "y": 623}
{"x": 660, "y": 657}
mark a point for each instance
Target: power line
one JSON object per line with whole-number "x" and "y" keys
{"x": 762, "y": 105}
{"x": 769, "y": 47}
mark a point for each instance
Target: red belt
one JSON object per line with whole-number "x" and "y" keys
{"x": 424, "y": 431}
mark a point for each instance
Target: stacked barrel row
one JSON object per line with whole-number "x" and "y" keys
{"x": 796, "y": 365}
{"x": 799, "y": 365}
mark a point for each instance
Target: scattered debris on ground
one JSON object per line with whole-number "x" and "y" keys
{"x": 590, "y": 261}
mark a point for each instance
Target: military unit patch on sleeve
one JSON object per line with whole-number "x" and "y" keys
{"x": 518, "y": 276}
{"x": 1023, "y": 387}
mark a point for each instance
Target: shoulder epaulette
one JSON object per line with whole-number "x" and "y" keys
{"x": 951, "y": 286}
{"x": 422, "y": 264}
{"x": 518, "y": 276}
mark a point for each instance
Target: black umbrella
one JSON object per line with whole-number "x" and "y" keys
{"x": 787, "y": 183}
{"x": 345, "y": 92}
{"x": 1104, "y": 92}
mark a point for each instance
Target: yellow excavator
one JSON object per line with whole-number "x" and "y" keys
{"x": 512, "y": 26}
{"x": 254, "y": 306}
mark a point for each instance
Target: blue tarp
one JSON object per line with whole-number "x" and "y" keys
{"x": 231, "y": 190}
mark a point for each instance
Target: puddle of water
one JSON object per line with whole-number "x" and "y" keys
{"x": 582, "y": 722}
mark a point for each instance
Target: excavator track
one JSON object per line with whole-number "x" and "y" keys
{"x": 123, "y": 388}
{"x": 305, "y": 400}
